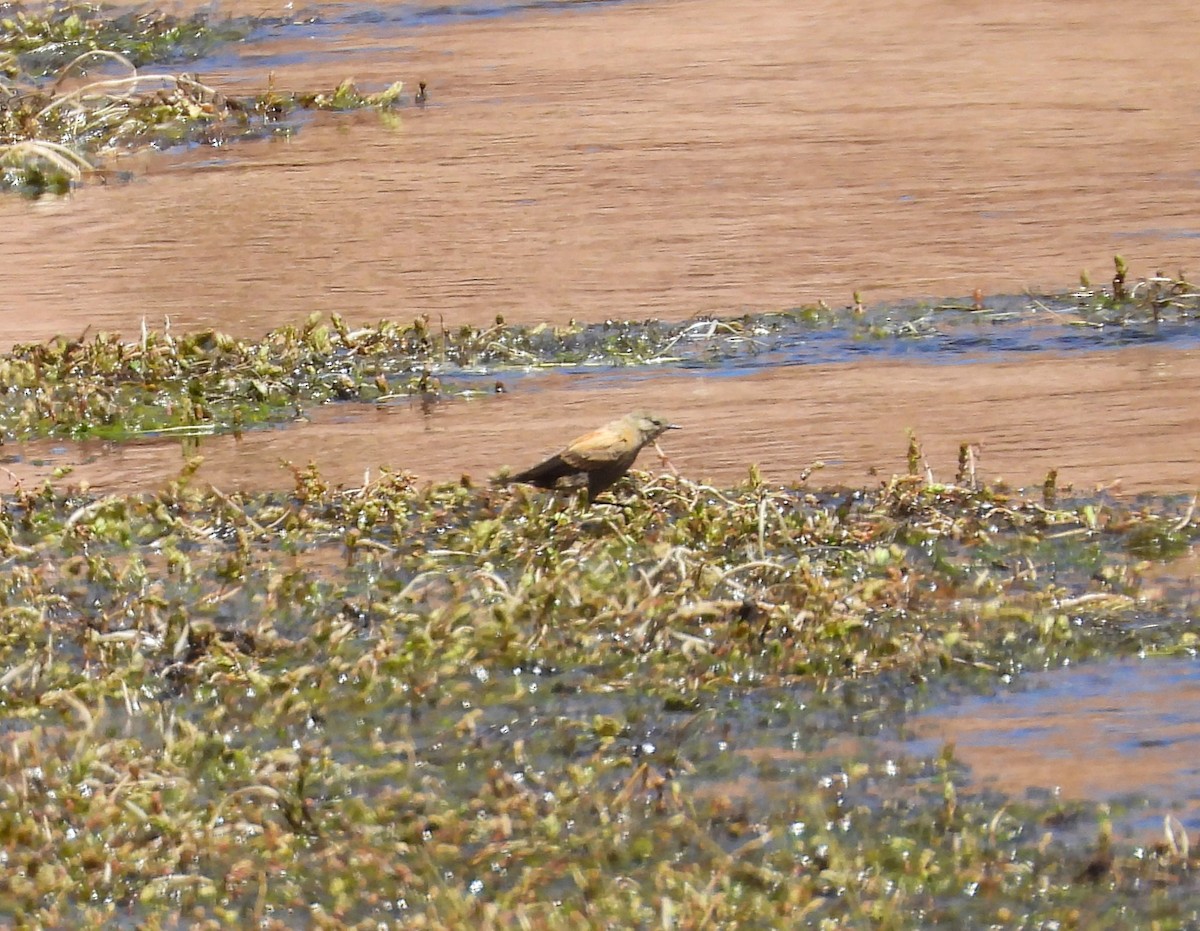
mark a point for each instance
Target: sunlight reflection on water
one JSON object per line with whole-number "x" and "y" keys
{"x": 1116, "y": 730}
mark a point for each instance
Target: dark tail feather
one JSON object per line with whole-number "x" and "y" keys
{"x": 545, "y": 474}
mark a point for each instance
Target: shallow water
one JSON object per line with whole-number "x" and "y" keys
{"x": 1123, "y": 421}
{"x": 661, "y": 159}
{"x": 664, "y": 159}
{"x": 1107, "y": 731}
{"x": 641, "y": 160}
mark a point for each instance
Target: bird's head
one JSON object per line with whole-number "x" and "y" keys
{"x": 651, "y": 426}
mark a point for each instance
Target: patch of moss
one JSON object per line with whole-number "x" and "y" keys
{"x": 51, "y": 138}
{"x": 446, "y": 705}
{"x": 40, "y": 43}
{"x": 210, "y": 382}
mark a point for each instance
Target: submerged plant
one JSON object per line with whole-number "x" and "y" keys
{"x": 209, "y": 382}
{"x": 447, "y": 702}
{"x": 50, "y": 137}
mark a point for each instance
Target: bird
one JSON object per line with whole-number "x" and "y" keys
{"x": 602, "y": 455}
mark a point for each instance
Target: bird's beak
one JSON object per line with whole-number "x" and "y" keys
{"x": 674, "y": 426}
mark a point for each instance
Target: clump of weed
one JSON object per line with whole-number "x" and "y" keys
{"x": 207, "y": 382}
{"x": 41, "y": 43}
{"x": 443, "y": 703}
{"x": 52, "y": 137}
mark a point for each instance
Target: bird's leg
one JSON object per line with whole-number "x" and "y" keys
{"x": 664, "y": 460}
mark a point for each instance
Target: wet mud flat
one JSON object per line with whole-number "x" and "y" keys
{"x": 1104, "y": 731}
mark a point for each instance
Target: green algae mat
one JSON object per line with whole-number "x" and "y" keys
{"x": 477, "y": 704}
{"x": 105, "y": 386}
{"x": 76, "y": 84}
{"x": 480, "y": 706}
{"x": 458, "y": 706}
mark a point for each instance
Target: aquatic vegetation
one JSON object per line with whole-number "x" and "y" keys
{"x": 38, "y": 166}
{"x": 43, "y": 42}
{"x": 52, "y": 137}
{"x": 441, "y": 704}
{"x": 459, "y": 704}
{"x": 207, "y": 382}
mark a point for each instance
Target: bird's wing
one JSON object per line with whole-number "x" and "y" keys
{"x": 602, "y": 447}
{"x": 545, "y": 474}
{"x": 600, "y": 480}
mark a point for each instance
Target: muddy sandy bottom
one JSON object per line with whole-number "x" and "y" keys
{"x": 1110, "y": 731}
{"x": 1123, "y": 420}
{"x": 662, "y": 159}
{"x": 648, "y": 159}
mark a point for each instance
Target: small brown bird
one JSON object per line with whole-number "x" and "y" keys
{"x": 603, "y": 455}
